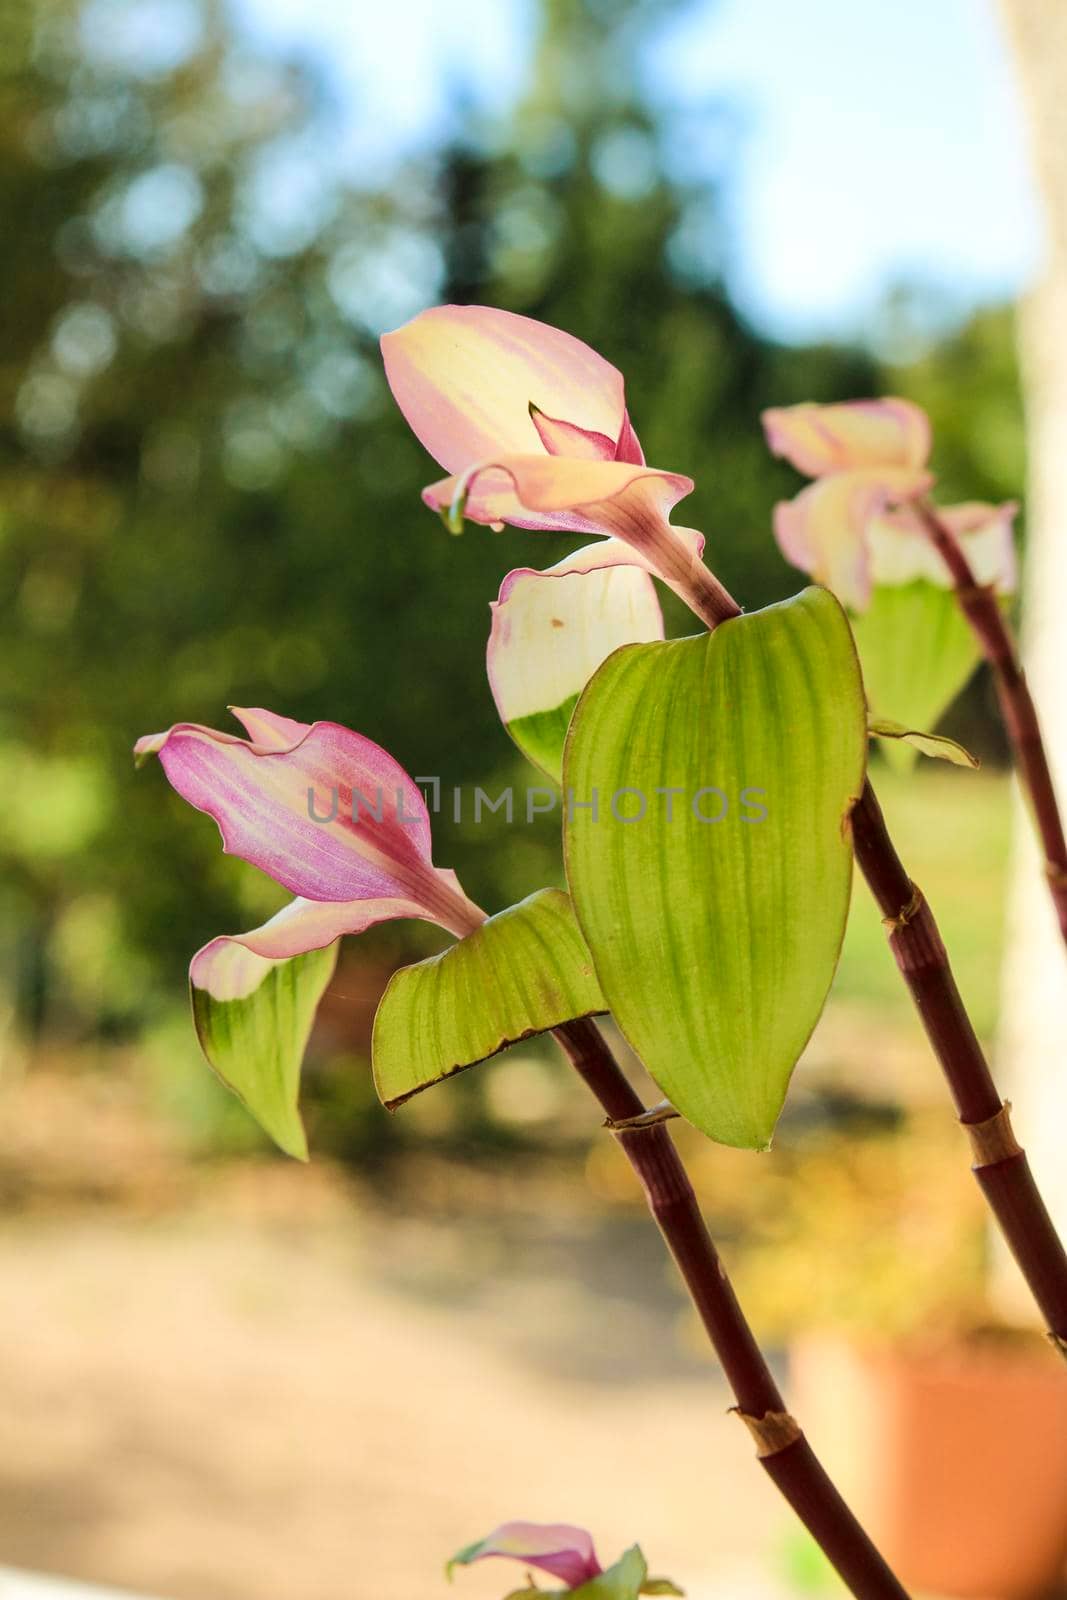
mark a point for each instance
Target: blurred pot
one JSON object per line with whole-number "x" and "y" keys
{"x": 955, "y": 1459}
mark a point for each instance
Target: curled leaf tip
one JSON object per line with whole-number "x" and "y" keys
{"x": 563, "y": 1551}
{"x": 567, "y": 1553}
{"x": 930, "y": 744}
{"x": 452, "y": 515}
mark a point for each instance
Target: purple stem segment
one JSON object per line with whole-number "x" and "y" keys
{"x": 1001, "y": 1167}
{"x": 784, "y": 1453}
{"x": 981, "y": 609}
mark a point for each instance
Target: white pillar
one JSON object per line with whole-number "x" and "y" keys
{"x": 1033, "y": 1040}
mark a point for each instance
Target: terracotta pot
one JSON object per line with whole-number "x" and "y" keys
{"x": 955, "y": 1460}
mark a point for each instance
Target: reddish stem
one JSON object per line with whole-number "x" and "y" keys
{"x": 784, "y": 1453}
{"x": 1000, "y": 1165}
{"x": 979, "y": 605}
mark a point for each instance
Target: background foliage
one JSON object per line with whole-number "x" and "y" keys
{"x": 206, "y": 496}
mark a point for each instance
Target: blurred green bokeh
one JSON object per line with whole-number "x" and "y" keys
{"x": 207, "y": 497}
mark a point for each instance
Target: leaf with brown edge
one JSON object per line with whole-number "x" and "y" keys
{"x": 523, "y": 972}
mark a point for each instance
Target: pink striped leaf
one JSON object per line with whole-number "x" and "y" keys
{"x": 325, "y": 812}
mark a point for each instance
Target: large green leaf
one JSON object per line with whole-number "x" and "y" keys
{"x": 715, "y": 940}
{"x": 524, "y": 971}
{"x": 256, "y": 1043}
{"x": 917, "y": 652}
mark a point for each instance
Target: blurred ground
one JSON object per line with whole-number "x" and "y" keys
{"x": 277, "y": 1392}
{"x": 18, "y": 1585}
{"x": 227, "y": 1376}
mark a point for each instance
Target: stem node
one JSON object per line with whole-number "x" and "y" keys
{"x": 1001, "y": 1167}
{"x": 994, "y": 1139}
{"x": 906, "y": 913}
{"x": 791, "y": 1464}
{"x": 773, "y": 1432}
{"x": 663, "y": 1112}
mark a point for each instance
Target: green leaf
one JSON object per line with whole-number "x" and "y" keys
{"x": 660, "y": 1586}
{"x": 542, "y": 734}
{"x": 928, "y": 744}
{"x": 917, "y": 652}
{"x": 465, "y": 1557}
{"x": 256, "y": 1043}
{"x": 522, "y": 972}
{"x": 715, "y": 941}
{"x": 623, "y": 1581}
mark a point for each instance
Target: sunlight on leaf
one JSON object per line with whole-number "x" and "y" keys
{"x": 524, "y": 971}
{"x": 715, "y": 913}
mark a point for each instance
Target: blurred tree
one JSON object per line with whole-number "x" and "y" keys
{"x": 206, "y": 495}
{"x": 581, "y": 222}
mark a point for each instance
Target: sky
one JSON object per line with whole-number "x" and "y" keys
{"x": 882, "y": 141}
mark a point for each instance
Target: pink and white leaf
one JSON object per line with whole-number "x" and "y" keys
{"x": 848, "y": 437}
{"x": 552, "y": 630}
{"x": 330, "y": 816}
{"x": 824, "y": 529}
{"x": 902, "y": 551}
{"x": 608, "y": 498}
{"x": 557, "y": 1548}
{"x": 465, "y": 378}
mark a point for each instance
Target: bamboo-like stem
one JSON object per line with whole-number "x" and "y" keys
{"x": 1000, "y": 1165}
{"x": 783, "y": 1451}
{"x": 989, "y": 625}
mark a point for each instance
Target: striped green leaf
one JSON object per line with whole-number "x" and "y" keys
{"x": 256, "y": 1042}
{"x": 524, "y": 971}
{"x": 917, "y": 652}
{"x": 715, "y": 918}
